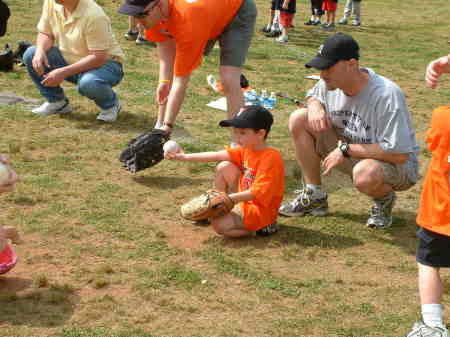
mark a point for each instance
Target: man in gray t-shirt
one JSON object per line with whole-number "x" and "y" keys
{"x": 356, "y": 121}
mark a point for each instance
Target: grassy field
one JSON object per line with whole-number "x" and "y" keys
{"x": 106, "y": 253}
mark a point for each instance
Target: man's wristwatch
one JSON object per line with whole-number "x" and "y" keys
{"x": 344, "y": 147}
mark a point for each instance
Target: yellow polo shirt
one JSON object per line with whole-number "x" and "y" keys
{"x": 87, "y": 29}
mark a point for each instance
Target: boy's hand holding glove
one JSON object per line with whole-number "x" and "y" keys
{"x": 211, "y": 204}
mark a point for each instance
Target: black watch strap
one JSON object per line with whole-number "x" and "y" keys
{"x": 344, "y": 147}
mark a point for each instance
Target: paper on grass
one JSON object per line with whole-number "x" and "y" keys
{"x": 313, "y": 77}
{"x": 220, "y": 104}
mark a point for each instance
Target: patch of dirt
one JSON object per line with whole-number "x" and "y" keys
{"x": 191, "y": 237}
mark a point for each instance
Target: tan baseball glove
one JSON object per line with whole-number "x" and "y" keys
{"x": 210, "y": 204}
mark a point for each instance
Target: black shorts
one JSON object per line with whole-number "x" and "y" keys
{"x": 433, "y": 249}
{"x": 278, "y": 4}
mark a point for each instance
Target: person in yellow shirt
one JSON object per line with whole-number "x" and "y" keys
{"x": 75, "y": 42}
{"x": 251, "y": 173}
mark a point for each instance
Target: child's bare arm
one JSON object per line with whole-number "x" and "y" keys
{"x": 200, "y": 156}
{"x": 435, "y": 69}
{"x": 242, "y": 196}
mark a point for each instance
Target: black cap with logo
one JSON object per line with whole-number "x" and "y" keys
{"x": 335, "y": 48}
{"x": 251, "y": 117}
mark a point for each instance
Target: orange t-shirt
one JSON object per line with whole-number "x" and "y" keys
{"x": 262, "y": 172}
{"x": 434, "y": 209}
{"x": 192, "y": 23}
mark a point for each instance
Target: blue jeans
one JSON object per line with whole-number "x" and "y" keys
{"x": 95, "y": 84}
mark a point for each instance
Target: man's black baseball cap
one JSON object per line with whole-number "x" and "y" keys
{"x": 335, "y": 48}
{"x": 133, "y": 7}
{"x": 251, "y": 117}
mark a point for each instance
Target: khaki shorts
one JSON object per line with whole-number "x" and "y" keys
{"x": 236, "y": 37}
{"x": 400, "y": 177}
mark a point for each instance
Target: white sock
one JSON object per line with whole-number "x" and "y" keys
{"x": 158, "y": 125}
{"x": 432, "y": 314}
{"x": 317, "y": 190}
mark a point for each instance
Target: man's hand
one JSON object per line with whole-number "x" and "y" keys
{"x": 54, "y": 78}
{"x": 174, "y": 155}
{"x": 318, "y": 120}
{"x": 435, "y": 69}
{"x": 333, "y": 159}
{"x": 40, "y": 62}
{"x": 286, "y": 4}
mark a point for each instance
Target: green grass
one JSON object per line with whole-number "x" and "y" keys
{"x": 106, "y": 253}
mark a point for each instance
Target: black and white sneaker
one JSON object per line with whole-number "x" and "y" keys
{"x": 266, "y": 231}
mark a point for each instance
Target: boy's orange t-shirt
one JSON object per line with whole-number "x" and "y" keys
{"x": 192, "y": 23}
{"x": 262, "y": 172}
{"x": 434, "y": 208}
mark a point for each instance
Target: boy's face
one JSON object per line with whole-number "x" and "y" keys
{"x": 249, "y": 138}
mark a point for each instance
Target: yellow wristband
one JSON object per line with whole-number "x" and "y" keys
{"x": 164, "y": 81}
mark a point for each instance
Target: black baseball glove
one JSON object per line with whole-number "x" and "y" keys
{"x": 146, "y": 150}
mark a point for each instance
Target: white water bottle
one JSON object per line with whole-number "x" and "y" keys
{"x": 263, "y": 98}
{"x": 271, "y": 101}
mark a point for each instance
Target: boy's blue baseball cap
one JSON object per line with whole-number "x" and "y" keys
{"x": 250, "y": 117}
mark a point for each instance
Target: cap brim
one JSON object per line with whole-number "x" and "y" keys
{"x": 320, "y": 63}
{"x": 130, "y": 10}
{"x": 237, "y": 123}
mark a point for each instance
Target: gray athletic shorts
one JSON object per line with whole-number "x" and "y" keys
{"x": 400, "y": 177}
{"x": 235, "y": 39}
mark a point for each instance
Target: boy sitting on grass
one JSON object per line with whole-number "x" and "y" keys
{"x": 252, "y": 174}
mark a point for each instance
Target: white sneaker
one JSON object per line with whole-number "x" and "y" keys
{"x": 60, "y": 107}
{"x": 421, "y": 330}
{"x": 110, "y": 115}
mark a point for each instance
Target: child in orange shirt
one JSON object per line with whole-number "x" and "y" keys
{"x": 252, "y": 173}
{"x": 433, "y": 217}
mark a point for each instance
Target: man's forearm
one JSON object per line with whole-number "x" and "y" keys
{"x": 176, "y": 98}
{"x": 374, "y": 151}
{"x": 89, "y": 62}
{"x": 44, "y": 41}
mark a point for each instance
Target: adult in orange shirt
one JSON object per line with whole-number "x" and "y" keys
{"x": 433, "y": 217}
{"x": 252, "y": 173}
{"x": 185, "y": 30}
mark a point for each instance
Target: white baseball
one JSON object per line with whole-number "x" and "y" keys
{"x": 5, "y": 174}
{"x": 171, "y": 146}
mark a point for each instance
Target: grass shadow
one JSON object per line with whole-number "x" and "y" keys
{"x": 165, "y": 182}
{"x": 291, "y": 235}
{"x": 22, "y": 304}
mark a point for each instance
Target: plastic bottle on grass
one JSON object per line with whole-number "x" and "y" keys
{"x": 263, "y": 98}
{"x": 271, "y": 101}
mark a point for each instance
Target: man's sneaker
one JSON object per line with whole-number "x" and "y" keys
{"x": 419, "y": 329}
{"x": 356, "y": 23}
{"x": 329, "y": 26}
{"x": 305, "y": 204}
{"x": 343, "y": 21}
{"x": 110, "y": 115}
{"x": 381, "y": 213}
{"x": 131, "y": 35}
{"x": 266, "y": 29}
{"x": 274, "y": 33}
{"x": 310, "y": 22}
{"x": 266, "y": 231}
{"x": 281, "y": 39}
{"x": 59, "y": 107}
{"x": 142, "y": 41}
{"x": 317, "y": 23}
